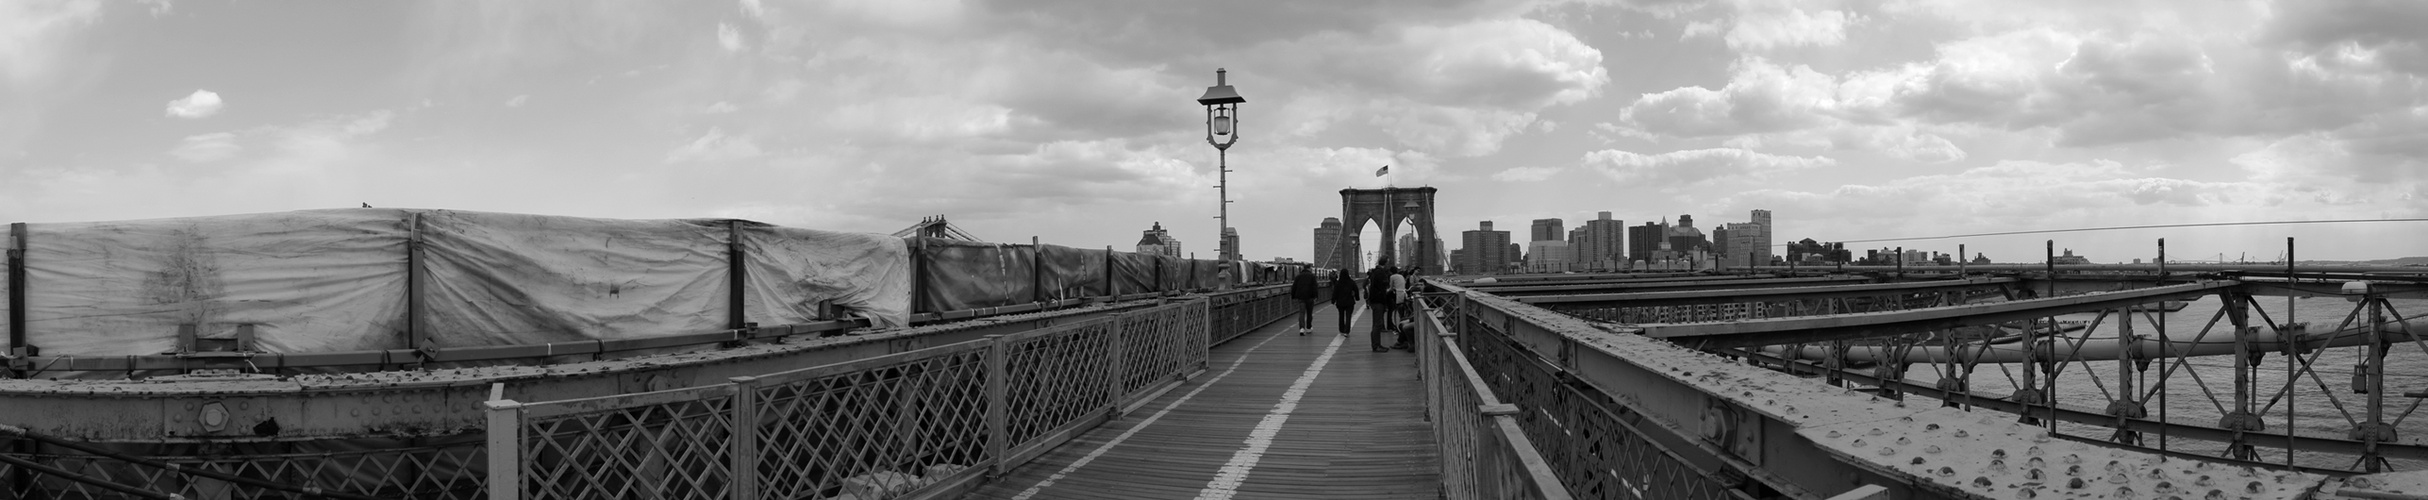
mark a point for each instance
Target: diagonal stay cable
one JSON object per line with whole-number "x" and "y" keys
{"x": 72, "y": 476}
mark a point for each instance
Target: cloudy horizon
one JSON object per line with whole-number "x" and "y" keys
{"x": 1075, "y": 122}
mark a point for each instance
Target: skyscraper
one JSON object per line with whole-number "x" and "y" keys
{"x": 1643, "y": 240}
{"x": 1484, "y": 251}
{"x": 1760, "y": 244}
{"x": 1327, "y": 244}
{"x": 1604, "y": 245}
{"x": 1548, "y": 230}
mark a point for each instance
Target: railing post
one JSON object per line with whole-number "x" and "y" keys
{"x": 505, "y": 443}
{"x": 745, "y": 459}
{"x": 737, "y": 276}
{"x": 1116, "y": 350}
{"x": 413, "y": 283}
{"x": 996, "y": 412}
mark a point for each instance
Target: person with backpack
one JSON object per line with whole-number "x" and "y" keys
{"x": 1344, "y": 297}
{"x": 1382, "y": 300}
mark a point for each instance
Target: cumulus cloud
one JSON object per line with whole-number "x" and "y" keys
{"x": 1525, "y": 174}
{"x": 518, "y": 101}
{"x": 715, "y": 146}
{"x": 207, "y": 147}
{"x": 200, "y": 104}
{"x": 1776, "y": 25}
{"x": 1695, "y": 167}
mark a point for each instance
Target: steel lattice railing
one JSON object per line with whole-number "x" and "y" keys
{"x": 1591, "y": 450}
{"x": 445, "y": 470}
{"x": 1484, "y": 453}
{"x": 916, "y": 422}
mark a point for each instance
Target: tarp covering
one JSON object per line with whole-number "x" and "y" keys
{"x": 319, "y": 280}
{"x": 503, "y": 279}
{"x": 970, "y": 275}
{"x": 792, "y": 271}
{"x": 341, "y": 280}
{"x": 1133, "y": 273}
{"x": 1071, "y": 272}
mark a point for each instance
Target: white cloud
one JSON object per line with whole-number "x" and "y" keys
{"x": 755, "y": 9}
{"x": 1525, "y": 174}
{"x": 1698, "y": 29}
{"x": 720, "y": 107}
{"x": 518, "y": 101}
{"x": 1776, "y": 25}
{"x": 729, "y": 38}
{"x": 1677, "y": 169}
{"x": 200, "y": 104}
{"x": 715, "y": 146}
{"x": 207, "y": 148}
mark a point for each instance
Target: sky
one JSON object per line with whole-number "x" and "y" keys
{"x": 1075, "y": 122}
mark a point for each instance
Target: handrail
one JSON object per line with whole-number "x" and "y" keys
{"x": 1465, "y": 412}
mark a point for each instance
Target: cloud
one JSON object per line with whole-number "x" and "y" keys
{"x": 518, "y": 101}
{"x": 200, "y": 104}
{"x": 32, "y": 33}
{"x": 729, "y": 38}
{"x": 1696, "y": 167}
{"x": 1525, "y": 174}
{"x": 207, "y": 147}
{"x": 1775, "y": 26}
{"x": 715, "y": 146}
{"x": 720, "y": 107}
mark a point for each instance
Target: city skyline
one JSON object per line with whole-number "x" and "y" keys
{"x": 1857, "y": 121}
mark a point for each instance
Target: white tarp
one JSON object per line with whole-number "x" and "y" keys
{"x": 320, "y": 280}
{"x": 504, "y": 279}
{"x": 792, "y": 270}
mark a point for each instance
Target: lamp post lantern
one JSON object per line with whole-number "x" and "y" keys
{"x": 1222, "y": 121}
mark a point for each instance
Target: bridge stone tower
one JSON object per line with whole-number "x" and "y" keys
{"x": 1386, "y": 207}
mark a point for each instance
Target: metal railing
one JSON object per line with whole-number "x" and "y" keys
{"x": 1158, "y": 342}
{"x": 1593, "y": 449}
{"x": 1484, "y": 455}
{"x": 918, "y": 424}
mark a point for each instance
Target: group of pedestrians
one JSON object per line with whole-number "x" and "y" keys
{"x": 1386, "y": 294}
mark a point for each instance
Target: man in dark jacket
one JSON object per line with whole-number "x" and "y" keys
{"x": 1305, "y": 290}
{"x": 1380, "y": 301}
{"x": 1344, "y": 297}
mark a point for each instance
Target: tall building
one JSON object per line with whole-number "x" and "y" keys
{"x": 1576, "y": 249}
{"x": 1548, "y": 230}
{"x": 1604, "y": 245}
{"x": 1643, "y": 240}
{"x": 1761, "y": 238}
{"x": 1547, "y": 256}
{"x": 1407, "y": 250}
{"x": 1327, "y": 244}
{"x": 1230, "y": 244}
{"x": 1720, "y": 244}
{"x": 1157, "y": 241}
{"x": 1484, "y": 251}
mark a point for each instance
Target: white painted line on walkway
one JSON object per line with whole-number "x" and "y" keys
{"x": 1226, "y": 483}
{"x": 1150, "y": 420}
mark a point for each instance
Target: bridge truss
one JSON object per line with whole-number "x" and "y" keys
{"x": 2088, "y": 362}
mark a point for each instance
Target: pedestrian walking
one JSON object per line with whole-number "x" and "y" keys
{"x": 1344, "y": 297}
{"x": 1381, "y": 300}
{"x": 1402, "y": 311}
{"x": 1306, "y": 291}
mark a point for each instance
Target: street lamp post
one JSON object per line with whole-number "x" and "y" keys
{"x": 1222, "y": 117}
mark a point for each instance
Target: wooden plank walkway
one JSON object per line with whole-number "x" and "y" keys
{"x": 1356, "y": 430}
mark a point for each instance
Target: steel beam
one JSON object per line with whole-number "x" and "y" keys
{"x": 1853, "y": 326}
{"x": 1716, "y": 283}
{"x": 1733, "y": 296}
